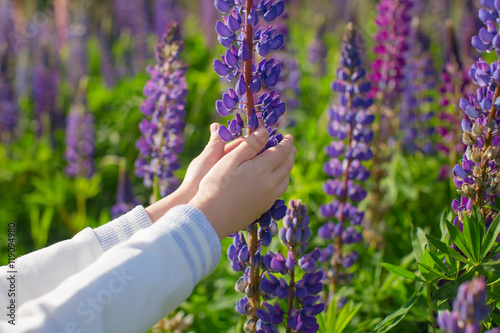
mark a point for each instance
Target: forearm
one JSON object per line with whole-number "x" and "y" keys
{"x": 41, "y": 271}
{"x": 133, "y": 285}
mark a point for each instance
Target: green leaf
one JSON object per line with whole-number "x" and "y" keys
{"x": 458, "y": 239}
{"x": 439, "y": 262}
{"x": 345, "y": 316}
{"x": 491, "y": 236}
{"x": 435, "y": 271}
{"x": 446, "y": 249}
{"x": 419, "y": 242}
{"x": 496, "y": 318}
{"x": 398, "y": 270}
{"x": 471, "y": 234}
{"x": 393, "y": 319}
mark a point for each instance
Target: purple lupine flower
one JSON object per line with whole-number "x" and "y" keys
{"x": 391, "y": 46}
{"x": 476, "y": 176}
{"x": 349, "y": 124}
{"x": 250, "y": 105}
{"x": 80, "y": 150}
{"x": 131, "y": 15}
{"x": 107, "y": 67}
{"x": 9, "y": 111}
{"x": 46, "y": 81}
{"x": 165, "y": 11}
{"x": 414, "y": 116}
{"x": 302, "y": 295}
{"x": 488, "y": 39}
{"x": 480, "y": 135}
{"x": 454, "y": 81}
{"x": 208, "y": 15}
{"x": 469, "y": 309}
{"x": 164, "y": 111}
{"x": 288, "y": 83}
{"x": 318, "y": 51}
{"x": 78, "y": 35}
{"x": 470, "y": 25}
{"x": 125, "y": 199}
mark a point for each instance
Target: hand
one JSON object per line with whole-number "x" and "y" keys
{"x": 241, "y": 186}
{"x": 198, "y": 168}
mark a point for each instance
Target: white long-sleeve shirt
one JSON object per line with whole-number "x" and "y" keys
{"x": 122, "y": 277}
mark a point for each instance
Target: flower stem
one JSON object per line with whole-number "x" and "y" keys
{"x": 484, "y": 160}
{"x": 337, "y": 255}
{"x": 430, "y": 307}
{"x": 247, "y": 66}
{"x": 291, "y": 293}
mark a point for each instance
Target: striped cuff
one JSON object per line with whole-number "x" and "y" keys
{"x": 195, "y": 237}
{"x": 122, "y": 228}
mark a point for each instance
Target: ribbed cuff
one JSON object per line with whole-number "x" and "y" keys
{"x": 195, "y": 237}
{"x": 122, "y": 228}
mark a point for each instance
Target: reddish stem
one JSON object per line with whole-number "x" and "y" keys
{"x": 249, "y": 103}
{"x": 247, "y": 67}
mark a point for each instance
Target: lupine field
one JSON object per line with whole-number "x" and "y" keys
{"x": 390, "y": 222}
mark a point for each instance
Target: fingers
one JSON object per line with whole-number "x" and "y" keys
{"x": 250, "y": 147}
{"x": 214, "y": 147}
{"x": 275, "y": 156}
{"x": 232, "y": 145}
{"x": 284, "y": 169}
{"x": 281, "y": 188}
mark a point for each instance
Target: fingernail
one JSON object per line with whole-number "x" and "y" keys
{"x": 214, "y": 127}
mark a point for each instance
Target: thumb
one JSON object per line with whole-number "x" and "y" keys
{"x": 251, "y": 146}
{"x": 215, "y": 145}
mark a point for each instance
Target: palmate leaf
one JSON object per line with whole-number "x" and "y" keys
{"x": 398, "y": 270}
{"x": 393, "y": 319}
{"x": 446, "y": 268}
{"x": 471, "y": 239}
{"x": 446, "y": 249}
{"x": 491, "y": 236}
{"x": 458, "y": 239}
{"x": 434, "y": 271}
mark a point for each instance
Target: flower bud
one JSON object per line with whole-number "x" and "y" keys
{"x": 468, "y": 139}
{"x": 477, "y": 129}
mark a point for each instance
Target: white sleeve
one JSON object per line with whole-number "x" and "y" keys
{"x": 131, "y": 286}
{"x": 41, "y": 271}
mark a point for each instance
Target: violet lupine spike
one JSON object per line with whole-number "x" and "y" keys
{"x": 9, "y": 111}
{"x": 164, "y": 111}
{"x": 250, "y": 106}
{"x": 318, "y": 51}
{"x": 454, "y": 81}
{"x": 391, "y": 46}
{"x": 303, "y": 301}
{"x": 78, "y": 35}
{"x": 132, "y": 15}
{"x": 469, "y": 309}
{"x": 80, "y": 150}
{"x": 208, "y": 15}
{"x": 165, "y": 11}
{"x": 477, "y": 176}
{"x": 488, "y": 38}
{"x": 288, "y": 83}
{"x": 46, "y": 81}
{"x": 349, "y": 125}
{"x": 415, "y": 114}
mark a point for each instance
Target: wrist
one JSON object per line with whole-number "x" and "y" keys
{"x": 162, "y": 206}
{"x": 211, "y": 213}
